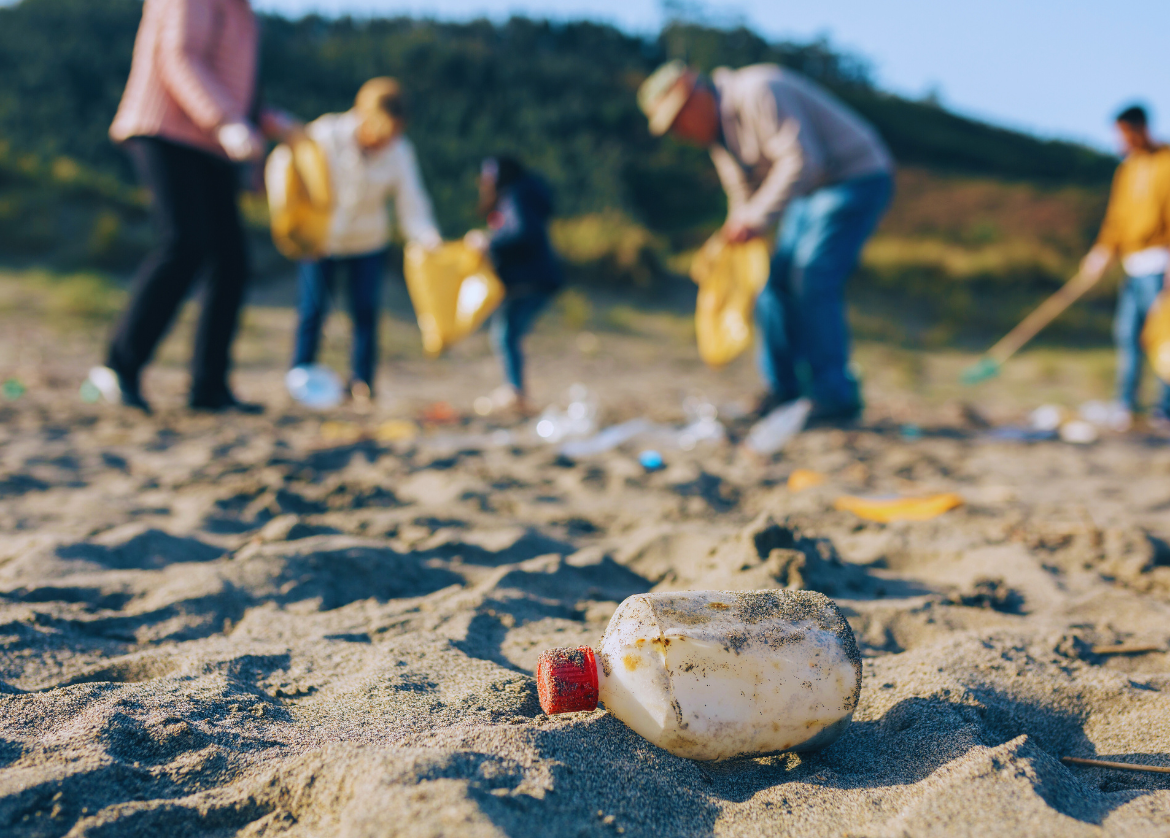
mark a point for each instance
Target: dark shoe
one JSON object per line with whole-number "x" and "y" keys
{"x": 834, "y": 415}
{"x": 224, "y": 402}
{"x": 117, "y": 388}
{"x": 765, "y": 403}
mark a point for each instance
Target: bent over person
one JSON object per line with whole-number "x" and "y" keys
{"x": 787, "y": 151}
{"x": 185, "y": 119}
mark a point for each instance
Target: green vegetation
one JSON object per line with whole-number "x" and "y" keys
{"x": 986, "y": 221}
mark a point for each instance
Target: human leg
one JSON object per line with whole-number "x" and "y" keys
{"x": 224, "y": 294}
{"x": 510, "y": 323}
{"x": 776, "y": 355}
{"x": 314, "y": 281}
{"x": 1127, "y": 327}
{"x": 181, "y": 211}
{"x": 840, "y": 219}
{"x": 365, "y": 284}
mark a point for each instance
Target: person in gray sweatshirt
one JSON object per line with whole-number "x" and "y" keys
{"x": 787, "y": 152}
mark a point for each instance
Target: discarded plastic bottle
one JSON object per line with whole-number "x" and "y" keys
{"x": 711, "y": 675}
{"x": 578, "y": 419}
{"x": 774, "y": 431}
{"x": 315, "y": 386}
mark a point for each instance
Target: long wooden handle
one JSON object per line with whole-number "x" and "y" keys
{"x": 1120, "y": 766}
{"x": 1044, "y": 314}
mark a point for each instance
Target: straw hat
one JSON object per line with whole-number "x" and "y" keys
{"x": 664, "y": 93}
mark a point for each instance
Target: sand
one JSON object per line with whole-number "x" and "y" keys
{"x": 234, "y": 626}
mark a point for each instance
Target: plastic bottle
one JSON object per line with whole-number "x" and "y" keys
{"x": 315, "y": 386}
{"x": 578, "y": 419}
{"x": 774, "y": 431}
{"x": 712, "y": 675}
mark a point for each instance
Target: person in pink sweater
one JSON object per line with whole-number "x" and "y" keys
{"x": 188, "y": 115}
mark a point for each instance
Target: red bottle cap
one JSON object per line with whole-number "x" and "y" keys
{"x": 566, "y": 680}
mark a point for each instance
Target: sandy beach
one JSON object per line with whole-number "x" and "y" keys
{"x": 274, "y": 626}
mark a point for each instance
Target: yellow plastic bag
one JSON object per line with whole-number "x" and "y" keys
{"x": 453, "y": 289}
{"x": 1156, "y": 336}
{"x": 300, "y": 201}
{"x": 885, "y": 510}
{"x": 730, "y": 277}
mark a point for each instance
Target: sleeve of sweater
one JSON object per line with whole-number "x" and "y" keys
{"x": 187, "y": 32}
{"x": 796, "y": 157}
{"x": 412, "y": 205}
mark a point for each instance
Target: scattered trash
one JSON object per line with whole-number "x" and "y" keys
{"x": 89, "y": 392}
{"x": 803, "y": 478}
{"x": 1119, "y": 766}
{"x": 1048, "y": 417}
{"x": 606, "y": 440}
{"x": 1013, "y": 433}
{"x": 577, "y": 419}
{"x": 342, "y": 433}
{"x": 453, "y": 289}
{"x": 710, "y": 675}
{"x": 886, "y": 510}
{"x": 911, "y": 432}
{"x": 651, "y": 460}
{"x": 730, "y": 277}
{"x": 703, "y": 424}
{"x": 439, "y": 413}
{"x": 1079, "y": 432}
{"x": 12, "y": 389}
{"x": 396, "y": 430}
{"x": 773, "y": 432}
{"x": 315, "y": 386}
{"x": 1113, "y": 416}
{"x": 1156, "y": 336}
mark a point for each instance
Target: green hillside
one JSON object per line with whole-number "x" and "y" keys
{"x": 562, "y": 96}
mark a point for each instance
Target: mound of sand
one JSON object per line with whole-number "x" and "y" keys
{"x": 227, "y": 627}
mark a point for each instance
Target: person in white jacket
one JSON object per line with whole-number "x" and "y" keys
{"x": 370, "y": 161}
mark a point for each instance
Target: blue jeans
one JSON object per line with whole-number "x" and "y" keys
{"x": 510, "y": 323}
{"x": 316, "y": 286}
{"x": 801, "y": 311}
{"x": 1137, "y": 295}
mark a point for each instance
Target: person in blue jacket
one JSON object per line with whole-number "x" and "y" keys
{"x": 518, "y": 205}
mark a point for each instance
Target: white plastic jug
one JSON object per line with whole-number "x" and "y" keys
{"x": 711, "y": 675}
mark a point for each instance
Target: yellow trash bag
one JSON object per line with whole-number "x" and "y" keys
{"x": 885, "y": 510}
{"x": 730, "y": 277}
{"x": 300, "y": 202}
{"x": 1156, "y": 336}
{"x": 453, "y": 289}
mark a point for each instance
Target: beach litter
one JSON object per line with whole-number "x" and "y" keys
{"x": 803, "y": 478}
{"x": 396, "y": 430}
{"x": 774, "y": 431}
{"x": 315, "y": 386}
{"x": 651, "y": 460}
{"x": 606, "y": 440}
{"x": 887, "y": 510}
{"x": 712, "y": 675}
{"x": 1118, "y": 766}
{"x": 12, "y": 389}
{"x": 578, "y": 418}
{"x": 439, "y": 413}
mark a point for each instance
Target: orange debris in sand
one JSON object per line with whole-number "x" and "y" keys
{"x": 885, "y": 510}
{"x": 804, "y": 478}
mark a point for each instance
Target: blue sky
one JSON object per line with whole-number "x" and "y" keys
{"x": 1058, "y": 68}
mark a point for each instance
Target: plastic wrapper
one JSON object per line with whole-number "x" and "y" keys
{"x": 300, "y": 200}
{"x": 453, "y": 289}
{"x": 730, "y": 277}
{"x": 1156, "y": 336}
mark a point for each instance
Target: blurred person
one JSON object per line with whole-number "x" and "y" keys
{"x": 1136, "y": 230}
{"x": 187, "y": 116}
{"x": 518, "y": 205}
{"x": 787, "y": 151}
{"x": 370, "y": 160}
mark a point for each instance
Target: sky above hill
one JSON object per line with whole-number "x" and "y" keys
{"x": 1058, "y": 68}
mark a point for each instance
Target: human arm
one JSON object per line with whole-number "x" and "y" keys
{"x": 796, "y": 162}
{"x": 416, "y": 218}
{"x": 188, "y": 32}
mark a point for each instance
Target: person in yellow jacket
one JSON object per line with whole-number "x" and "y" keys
{"x": 370, "y": 161}
{"x": 1136, "y": 230}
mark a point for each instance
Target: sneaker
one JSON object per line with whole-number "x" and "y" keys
{"x": 834, "y": 415}
{"x": 361, "y": 396}
{"x": 1160, "y": 421}
{"x": 223, "y": 402}
{"x": 117, "y": 388}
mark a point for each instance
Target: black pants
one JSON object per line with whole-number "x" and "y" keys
{"x": 193, "y": 203}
